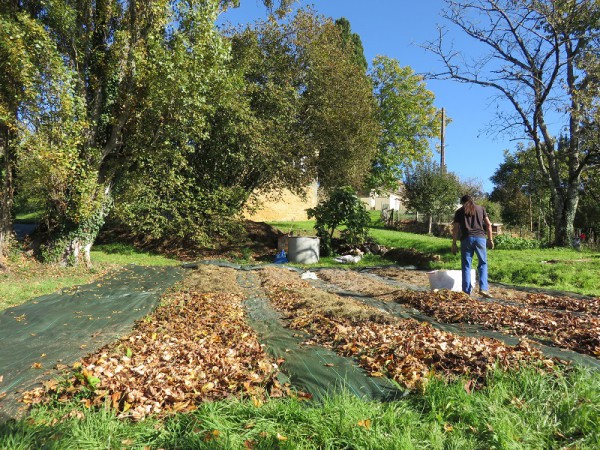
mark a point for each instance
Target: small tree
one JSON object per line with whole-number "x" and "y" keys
{"x": 342, "y": 207}
{"x": 429, "y": 190}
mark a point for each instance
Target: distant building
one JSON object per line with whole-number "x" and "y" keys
{"x": 380, "y": 201}
{"x": 284, "y": 206}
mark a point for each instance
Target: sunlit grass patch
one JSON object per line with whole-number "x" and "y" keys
{"x": 524, "y": 409}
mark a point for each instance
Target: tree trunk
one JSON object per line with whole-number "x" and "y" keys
{"x": 565, "y": 208}
{"x": 430, "y": 224}
{"x": 77, "y": 250}
{"x": 7, "y": 158}
{"x": 72, "y": 245}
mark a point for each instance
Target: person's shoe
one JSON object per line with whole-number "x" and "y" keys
{"x": 485, "y": 294}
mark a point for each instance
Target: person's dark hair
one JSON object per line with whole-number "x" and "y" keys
{"x": 468, "y": 204}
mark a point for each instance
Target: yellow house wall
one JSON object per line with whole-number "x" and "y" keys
{"x": 284, "y": 207}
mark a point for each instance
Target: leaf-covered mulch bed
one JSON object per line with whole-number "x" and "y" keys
{"x": 196, "y": 348}
{"x": 564, "y": 303}
{"x": 580, "y": 333}
{"x": 405, "y": 350}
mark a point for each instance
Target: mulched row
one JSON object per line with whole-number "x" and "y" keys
{"x": 578, "y": 332}
{"x": 197, "y": 348}
{"x": 408, "y": 351}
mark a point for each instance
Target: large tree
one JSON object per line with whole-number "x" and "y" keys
{"x": 339, "y": 110}
{"x": 247, "y": 140}
{"x": 35, "y": 99}
{"x": 116, "y": 49}
{"x": 142, "y": 74}
{"x": 539, "y": 57}
{"x": 408, "y": 120}
{"x": 291, "y": 106}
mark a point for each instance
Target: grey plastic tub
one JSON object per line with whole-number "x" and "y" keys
{"x": 303, "y": 249}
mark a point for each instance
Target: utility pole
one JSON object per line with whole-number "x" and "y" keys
{"x": 443, "y": 143}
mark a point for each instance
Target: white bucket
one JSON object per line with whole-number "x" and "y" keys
{"x": 303, "y": 250}
{"x": 448, "y": 279}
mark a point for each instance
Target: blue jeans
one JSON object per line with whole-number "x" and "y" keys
{"x": 469, "y": 246}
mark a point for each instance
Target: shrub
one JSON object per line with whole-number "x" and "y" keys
{"x": 342, "y": 208}
{"x": 506, "y": 242}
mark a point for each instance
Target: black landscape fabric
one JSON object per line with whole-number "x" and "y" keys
{"x": 62, "y": 327}
{"x": 310, "y": 368}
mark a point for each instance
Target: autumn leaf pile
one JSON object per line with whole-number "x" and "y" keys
{"x": 405, "y": 350}
{"x": 576, "y": 332}
{"x": 590, "y": 306}
{"x": 198, "y": 348}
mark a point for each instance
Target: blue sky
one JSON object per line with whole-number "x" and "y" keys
{"x": 395, "y": 28}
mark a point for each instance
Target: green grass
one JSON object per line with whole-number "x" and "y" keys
{"x": 525, "y": 409}
{"x": 303, "y": 228}
{"x": 28, "y": 278}
{"x": 28, "y": 215}
{"x": 559, "y": 269}
{"x": 122, "y": 254}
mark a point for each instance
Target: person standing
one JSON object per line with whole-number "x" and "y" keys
{"x": 473, "y": 225}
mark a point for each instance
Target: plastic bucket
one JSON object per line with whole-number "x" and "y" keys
{"x": 448, "y": 279}
{"x": 303, "y": 250}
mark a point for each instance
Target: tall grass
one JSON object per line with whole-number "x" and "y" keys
{"x": 525, "y": 409}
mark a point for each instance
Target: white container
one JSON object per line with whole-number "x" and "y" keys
{"x": 448, "y": 279}
{"x": 303, "y": 250}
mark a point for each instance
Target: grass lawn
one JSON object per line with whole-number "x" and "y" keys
{"x": 525, "y": 409}
{"x": 554, "y": 268}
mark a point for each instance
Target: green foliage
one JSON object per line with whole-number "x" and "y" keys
{"x": 430, "y": 191}
{"x": 588, "y": 211}
{"x": 241, "y": 123}
{"x": 342, "y": 208}
{"x": 352, "y": 42}
{"x": 339, "y": 111}
{"x": 162, "y": 190}
{"x": 34, "y": 87}
{"x": 507, "y": 242}
{"x": 521, "y": 190}
{"x": 408, "y": 118}
{"x": 493, "y": 209}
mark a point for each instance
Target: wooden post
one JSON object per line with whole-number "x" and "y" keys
{"x": 443, "y": 143}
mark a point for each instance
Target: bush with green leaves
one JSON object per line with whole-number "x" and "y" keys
{"x": 506, "y": 242}
{"x": 342, "y": 208}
